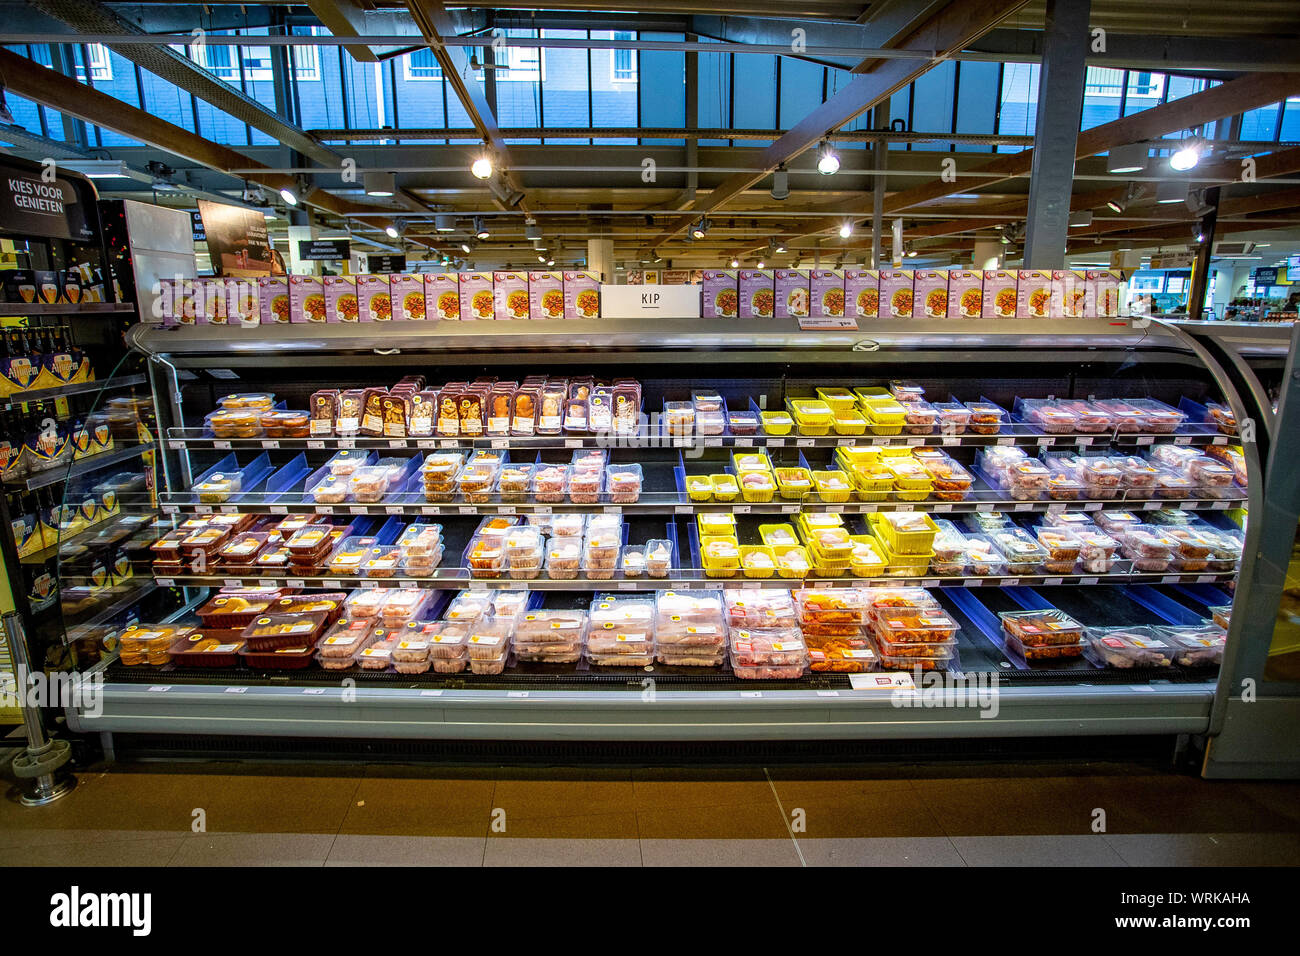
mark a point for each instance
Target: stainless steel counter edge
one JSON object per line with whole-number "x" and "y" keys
{"x": 756, "y": 714}
{"x": 667, "y": 334}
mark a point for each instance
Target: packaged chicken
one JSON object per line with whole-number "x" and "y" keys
{"x": 1195, "y": 645}
{"x": 1126, "y": 647}
{"x": 773, "y": 654}
{"x": 1041, "y": 628}
{"x": 403, "y": 605}
{"x": 761, "y": 608}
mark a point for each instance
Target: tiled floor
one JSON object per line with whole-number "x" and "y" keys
{"x": 932, "y": 814}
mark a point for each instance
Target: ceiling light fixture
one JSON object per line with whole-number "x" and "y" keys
{"x": 911, "y": 253}
{"x": 466, "y": 248}
{"x": 1127, "y": 159}
{"x": 775, "y": 246}
{"x": 735, "y": 263}
{"x": 1186, "y": 156}
{"x": 289, "y": 195}
{"x": 828, "y": 163}
{"x": 781, "y": 183}
{"x": 480, "y": 228}
{"x": 761, "y": 263}
{"x": 700, "y": 229}
{"x": 1171, "y": 191}
{"x": 846, "y": 230}
{"x": 482, "y": 165}
{"x": 395, "y": 228}
{"x": 532, "y": 231}
{"x": 380, "y": 184}
{"x": 1080, "y": 219}
{"x": 444, "y": 222}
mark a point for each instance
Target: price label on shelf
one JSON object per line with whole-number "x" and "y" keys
{"x": 1092, "y": 505}
{"x": 950, "y": 439}
{"x": 164, "y": 582}
{"x": 1045, "y": 441}
{"x": 983, "y": 506}
{"x": 1204, "y": 578}
{"x": 1006, "y": 440}
{"x": 776, "y": 442}
{"x": 751, "y": 693}
{"x": 1170, "y": 578}
{"x": 347, "y": 443}
{"x": 942, "y": 507}
{"x": 160, "y": 688}
{"x": 397, "y": 443}
{"x": 467, "y": 509}
{"x": 1049, "y": 582}
{"x": 973, "y": 583}
{"x": 476, "y": 585}
{"x": 1006, "y": 582}
{"x": 431, "y": 693}
{"x": 744, "y": 442}
{"x": 203, "y": 509}
{"x": 516, "y": 693}
{"x": 1182, "y": 440}
{"x": 1088, "y": 580}
{"x": 369, "y": 583}
{"x": 393, "y": 509}
{"x": 741, "y": 509}
{"x": 220, "y": 443}
{"x": 683, "y": 509}
{"x": 313, "y": 691}
{"x": 1152, "y": 505}
{"x": 1056, "y": 507}
{"x": 1083, "y": 441}
{"x": 279, "y": 510}
{"x": 612, "y": 510}
{"x": 448, "y": 443}
{"x": 270, "y": 443}
{"x": 627, "y": 585}
{"x": 357, "y": 509}
{"x": 235, "y": 690}
{"x": 573, "y": 443}
{"x": 231, "y": 582}
{"x": 542, "y": 509}
{"x": 501, "y": 443}
{"x": 170, "y": 509}
{"x": 426, "y": 443}
{"x": 295, "y": 583}
{"x": 1144, "y": 439}
{"x": 229, "y": 509}
{"x": 805, "y": 442}
{"x": 828, "y": 693}
{"x": 930, "y": 583}
{"x": 1220, "y": 505}
{"x": 1218, "y": 440}
{"x": 173, "y": 444}
{"x": 315, "y": 443}
{"x": 407, "y": 583}
{"x": 1023, "y": 506}
{"x": 790, "y": 509}
{"x": 904, "y": 506}
{"x": 430, "y": 510}
{"x": 752, "y": 585}
{"x": 913, "y": 442}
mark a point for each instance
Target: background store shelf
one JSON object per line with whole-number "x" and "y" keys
{"x": 63, "y": 391}
{"x": 63, "y": 308}
{"x": 61, "y": 473}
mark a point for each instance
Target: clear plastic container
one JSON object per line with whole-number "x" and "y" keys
{"x": 349, "y": 556}
{"x": 476, "y": 481}
{"x": 951, "y": 481}
{"x": 679, "y": 418}
{"x": 1117, "y": 523}
{"x": 743, "y": 423}
{"x": 920, "y": 417}
{"x": 1096, "y": 551}
{"x": 983, "y": 556}
{"x": 551, "y": 483}
{"x": 468, "y": 607}
{"x": 1196, "y": 645}
{"x": 148, "y": 644}
{"x": 1048, "y": 415}
{"x": 771, "y": 647}
{"x": 270, "y": 631}
{"x": 485, "y": 557}
{"x": 1102, "y": 477}
{"x": 1028, "y": 480}
{"x": 365, "y": 604}
{"x": 1041, "y": 628}
{"x": 997, "y": 461}
{"x": 623, "y": 483}
{"x": 1024, "y": 555}
{"x": 1042, "y": 652}
{"x": 345, "y": 638}
{"x": 933, "y": 628}
{"x": 487, "y": 639}
{"x": 954, "y": 417}
{"x": 514, "y": 481}
{"x": 563, "y": 558}
{"x": 1125, "y": 647}
{"x": 421, "y": 540}
{"x": 986, "y": 418}
{"x": 760, "y": 608}
{"x": 949, "y": 548}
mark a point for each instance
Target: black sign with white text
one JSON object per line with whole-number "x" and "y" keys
{"x": 324, "y": 249}
{"x": 378, "y": 265}
{"x": 36, "y": 201}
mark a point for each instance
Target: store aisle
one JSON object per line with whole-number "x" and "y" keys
{"x": 897, "y": 814}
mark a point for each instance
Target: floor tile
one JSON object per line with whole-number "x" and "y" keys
{"x": 520, "y": 851}
{"x": 593, "y": 826}
{"x": 737, "y": 822}
{"x": 655, "y": 792}
{"x": 275, "y": 804}
{"x": 416, "y": 807}
{"x": 1069, "y": 851}
{"x": 154, "y": 852}
{"x": 880, "y": 851}
{"x": 521, "y": 799}
{"x": 1177, "y": 803}
{"x": 892, "y": 813}
{"x": 254, "y": 849}
{"x": 352, "y": 849}
{"x": 1003, "y": 807}
{"x": 739, "y": 852}
{"x": 800, "y": 792}
{"x": 1207, "y": 849}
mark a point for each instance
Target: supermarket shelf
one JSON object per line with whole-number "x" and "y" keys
{"x": 63, "y": 391}
{"x": 821, "y": 708}
{"x": 65, "y": 308}
{"x": 721, "y": 339}
{"x": 681, "y": 580}
{"x": 1015, "y": 434}
{"x": 128, "y": 599}
{"x": 60, "y": 473}
{"x": 84, "y": 536}
{"x": 414, "y": 505}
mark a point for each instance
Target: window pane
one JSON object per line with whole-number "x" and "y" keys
{"x": 1101, "y": 95}
{"x": 564, "y": 91}
{"x": 801, "y": 91}
{"x": 613, "y": 94}
{"x": 1019, "y": 102}
{"x": 1260, "y": 123}
{"x": 714, "y": 93}
{"x": 755, "y": 108}
{"x": 320, "y": 105}
{"x": 166, "y": 101}
{"x": 1145, "y": 90}
{"x": 932, "y": 109}
{"x": 662, "y": 86}
{"x": 518, "y": 81}
{"x": 1291, "y": 120}
{"x": 977, "y": 101}
{"x": 419, "y": 91}
{"x": 118, "y": 82}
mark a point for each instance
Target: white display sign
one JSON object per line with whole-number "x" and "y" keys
{"x": 645, "y": 302}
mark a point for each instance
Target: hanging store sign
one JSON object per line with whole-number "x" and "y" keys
{"x": 1265, "y": 275}
{"x": 35, "y": 201}
{"x": 196, "y": 226}
{"x": 237, "y": 239}
{"x": 324, "y": 249}
{"x": 1177, "y": 261}
{"x": 378, "y": 265}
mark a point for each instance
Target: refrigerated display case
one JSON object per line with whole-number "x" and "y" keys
{"x": 999, "y": 468}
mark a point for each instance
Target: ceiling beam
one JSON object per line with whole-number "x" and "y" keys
{"x": 28, "y": 79}
{"x": 343, "y": 19}
{"x": 434, "y": 22}
{"x": 90, "y": 16}
{"x": 955, "y": 26}
{"x": 1156, "y": 52}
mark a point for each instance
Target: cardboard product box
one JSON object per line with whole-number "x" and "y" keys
{"x": 826, "y": 293}
{"x": 19, "y": 285}
{"x": 676, "y": 277}
{"x": 1033, "y": 294}
{"x": 374, "y": 304}
{"x": 1070, "y": 294}
{"x": 1000, "y": 293}
{"x": 476, "y": 300}
{"x": 1103, "y": 292}
{"x": 211, "y": 302}
{"x": 965, "y": 294}
{"x": 47, "y": 286}
{"x": 930, "y": 294}
{"x": 511, "y": 295}
{"x": 896, "y": 288}
{"x": 272, "y": 300}
{"x": 862, "y": 292}
{"x": 442, "y": 296}
{"x": 341, "y": 303}
{"x": 306, "y": 299}
{"x": 406, "y": 290}
{"x": 719, "y": 294}
{"x": 545, "y": 295}
{"x": 791, "y": 293}
{"x": 242, "y": 303}
{"x": 757, "y": 293}
{"x": 582, "y": 294}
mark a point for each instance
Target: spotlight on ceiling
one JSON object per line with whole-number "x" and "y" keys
{"x": 700, "y": 229}
{"x": 1171, "y": 191}
{"x": 1081, "y": 218}
{"x": 1186, "y": 156}
{"x": 846, "y": 230}
{"x": 550, "y": 263}
{"x": 380, "y": 184}
{"x": 395, "y": 228}
{"x": 761, "y": 263}
{"x": 1127, "y": 159}
{"x": 775, "y": 246}
{"x": 781, "y": 183}
{"x": 289, "y": 195}
{"x": 532, "y": 231}
{"x": 444, "y": 222}
{"x": 482, "y": 165}
{"x": 480, "y": 228}
{"x": 466, "y": 248}
{"x": 828, "y": 162}
{"x": 735, "y": 263}
{"x": 911, "y": 253}
{"x": 1115, "y": 205}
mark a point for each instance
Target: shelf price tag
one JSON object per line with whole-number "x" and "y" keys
{"x": 904, "y": 506}
{"x": 930, "y": 583}
{"x": 516, "y": 693}
{"x": 683, "y": 509}
{"x": 744, "y": 442}
{"x": 913, "y": 442}
{"x": 1170, "y": 578}
{"x": 220, "y": 443}
{"x": 1220, "y": 505}
{"x": 1007, "y": 582}
{"x": 776, "y": 442}
{"x": 1204, "y": 578}
{"x": 1023, "y": 506}
{"x": 501, "y": 443}
{"x": 393, "y": 509}
{"x": 170, "y": 509}
{"x": 347, "y": 443}
{"x": 612, "y": 510}
{"x": 1218, "y": 440}
{"x": 789, "y": 509}
{"x": 973, "y": 583}
{"x": 295, "y": 583}
{"x": 313, "y": 691}
{"x": 1056, "y": 507}
{"x": 279, "y": 510}
{"x": 983, "y": 506}
{"x": 1182, "y": 439}
{"x": 174, "y": 445}
{"x": 164, "y": 582}
{"x": 426, "y": 443}
{"x": 1048, "y": 582}
{"x": 270, "y": 443}
{"x": 431, "y": 693}
{"x": 315, "y": 443}
{"x": 751, "y": 693}
{"x": 1088, "y": 580}
{"x": 1045, "y": 441}
{"x": 203, "y": 509}
{"x": 369, "y": 583}
{"x": 741, "y": 509}
{"x": 573, "y": 443}
{"x": 235, "y": 690}
{"x": 467, "y": 509}
{"x": 805, "y": 442}
{"x": 1083, "y": 440}
{"x": 942, "y": 507}
{"x": 1006, "y": 440}
{"x": 430, "y": 510}
{"x": 1152, "y": 505}
{"x": 356, "y": 509}
{"x": 160, "y": 688}
{"x": 950, "y": 439}
{"x": 397, "y": 443}
{"x": 1092, "y": 505}
{"x": 229, "y": 509}
{"x": 1145, "y": 439}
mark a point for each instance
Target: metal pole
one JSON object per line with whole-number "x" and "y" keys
{"x": 880, "y": 159}
{"x": 1060, "y": 106}
{"x": 43, "y": 757}
{"x": 1201, "y": 269}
